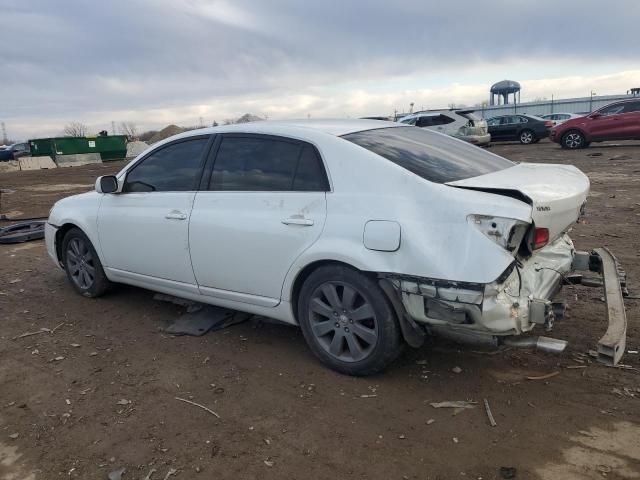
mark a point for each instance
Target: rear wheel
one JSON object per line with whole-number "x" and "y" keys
{"x": 347, "y": 321}
{"x": 573, "y": 140}
{"x": 82, "y": 265}
{"x": 527, "y": 137}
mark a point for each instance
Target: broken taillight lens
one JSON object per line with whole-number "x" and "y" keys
{"x": 540, "y": 238}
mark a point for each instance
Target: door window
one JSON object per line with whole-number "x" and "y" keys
{"x": 442, "y": 120}
{"x": 631, "y": 107}
{"x": 258, "y": 164}
{"x": 174, "y": 168}
{"x": 612, "y": 109}
{"x": 492, "y": 122}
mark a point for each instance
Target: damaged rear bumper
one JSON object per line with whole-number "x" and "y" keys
{"x": 495, "y": 313}
{"x": 614, "y": 282}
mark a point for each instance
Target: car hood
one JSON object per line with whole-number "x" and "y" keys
{"x": 556, "y": 192}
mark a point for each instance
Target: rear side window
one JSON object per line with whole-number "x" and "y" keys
{"x": 267, "y": 164}
{"x": 174, "y": 168}
{"x": 434, "y": 157}
{"x": 631, "y": 107}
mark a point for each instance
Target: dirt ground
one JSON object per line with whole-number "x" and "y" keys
{"x": 99, "y": 393}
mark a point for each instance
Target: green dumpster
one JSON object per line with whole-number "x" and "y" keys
{"x": 110, "y": 147}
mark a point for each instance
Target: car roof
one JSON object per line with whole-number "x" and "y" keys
{"x": 335, "y": 127}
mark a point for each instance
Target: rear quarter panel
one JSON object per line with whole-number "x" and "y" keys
{"x": 437, "y": 240}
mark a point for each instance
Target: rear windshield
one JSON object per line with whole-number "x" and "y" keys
{"x": 433, "y": 156}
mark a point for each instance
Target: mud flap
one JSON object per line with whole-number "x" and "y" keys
{"x": 412, "y": 333}
{"x": 612, "y": 345}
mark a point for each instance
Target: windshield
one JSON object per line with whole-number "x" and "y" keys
{"x": 430, "y": 155}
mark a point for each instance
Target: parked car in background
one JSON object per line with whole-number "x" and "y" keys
{"x": 526, "y": 129}
{"x": 462, "y": 124}
{"x": 386, "y": 119}
{"x": 616, "y": 121}
{"x": 15, "y": 151}
{"x": 559, "y": 118}
{"x": 366, "y": 234}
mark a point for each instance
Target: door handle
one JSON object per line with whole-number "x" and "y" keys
{"x": 305, "y": 222}
{"x": 175, "y": 215}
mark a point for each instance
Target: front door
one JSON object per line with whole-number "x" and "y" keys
{"x": 263, "y": 205}
{"x": 498, "y": 127}
{"x": 144, "y": 229}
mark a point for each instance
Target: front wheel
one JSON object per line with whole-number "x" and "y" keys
{"x": 82, "y": 265}
{"x": 347, "y": 321}
{"x": 573, "y": 140}
{"x": 527, "y": 137}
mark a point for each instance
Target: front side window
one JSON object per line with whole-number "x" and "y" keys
{"x": 174, "y": 168}
{"x": 434, "y": 157}
{"x": 259, "y": 164}
{"x": 492, "y": 122}
{"x": 426, "y": 121}
{"x": 612, "y": 109}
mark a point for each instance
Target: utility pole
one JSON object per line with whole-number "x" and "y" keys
{"x": 113, "y": 127}
{"x": 591, "y": 95}
{"x": 4, "y": 134}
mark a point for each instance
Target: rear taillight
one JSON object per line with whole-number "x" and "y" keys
{"x": 548, "y": 124}
{"x": 540, "y": 238}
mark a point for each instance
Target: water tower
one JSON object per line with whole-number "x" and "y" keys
{"x": 502, "y": 90}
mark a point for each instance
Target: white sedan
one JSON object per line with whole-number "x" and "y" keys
{"x": 560, "y": 118}
{"x": 367, "y": 234}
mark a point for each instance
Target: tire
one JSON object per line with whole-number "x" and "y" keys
{"x": 527, "y": 137}
{"x": 348, "y": 321}
{"x": 82, "y": 265}
{"x": 573, "y": 140}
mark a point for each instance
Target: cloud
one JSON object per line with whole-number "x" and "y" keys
{"x": 154, "y": 61}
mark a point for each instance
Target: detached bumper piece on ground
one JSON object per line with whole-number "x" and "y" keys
{"x": 22, "y": 232}
{"x": 614, "y": 281}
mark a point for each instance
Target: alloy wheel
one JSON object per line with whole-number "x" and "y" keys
{"x": 343, "y": 321}
{"x": 526, "y": 137}
{"x": 573, "y": 140}
{"x": 80, "y": 263}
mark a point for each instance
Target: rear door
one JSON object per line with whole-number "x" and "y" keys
{"x": 261, "y": 207}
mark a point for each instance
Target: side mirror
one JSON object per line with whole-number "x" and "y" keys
{"x": 107, "y": 184}
{"x": 595, "y": 115}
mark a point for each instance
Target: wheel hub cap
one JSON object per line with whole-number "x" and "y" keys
{"x": 343, "y": 321}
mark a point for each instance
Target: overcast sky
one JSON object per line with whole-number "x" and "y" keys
{"x": 156, "y": 62}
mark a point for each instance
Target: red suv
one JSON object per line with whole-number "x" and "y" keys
{"x": 616, "y": 121}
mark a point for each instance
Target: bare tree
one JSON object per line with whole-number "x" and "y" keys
{"x": 129, "y": 129}
{"x": 75, "y": 129}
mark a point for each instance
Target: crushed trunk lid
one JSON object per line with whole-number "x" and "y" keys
{"x": 555, "y": 192}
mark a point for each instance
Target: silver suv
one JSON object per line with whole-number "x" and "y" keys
{"x": 462, "y": 124}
